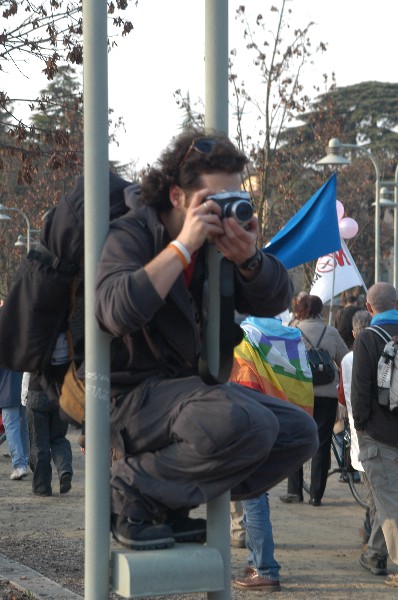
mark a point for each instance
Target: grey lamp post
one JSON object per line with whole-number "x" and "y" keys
{"x": 4, "y": 217}
{"x": 384, "y": 201}
{"x": 334, "y": 158}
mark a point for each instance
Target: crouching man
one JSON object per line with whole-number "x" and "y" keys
{"x": 184, "y": 442}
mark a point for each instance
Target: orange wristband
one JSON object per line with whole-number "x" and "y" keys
{"x": 175, "y": 245}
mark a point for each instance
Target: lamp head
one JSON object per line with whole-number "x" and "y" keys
{"x": 20, "y": 241}
{"x": 332, "y": 154}
{"x": 384, "y": 198}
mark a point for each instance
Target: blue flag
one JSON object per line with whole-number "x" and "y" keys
{"x": 312, "y": 232}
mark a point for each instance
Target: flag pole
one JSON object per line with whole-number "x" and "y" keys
{"x": 333, "y": 280}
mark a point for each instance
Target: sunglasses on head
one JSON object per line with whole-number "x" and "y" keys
{"x": 202, "y": 145}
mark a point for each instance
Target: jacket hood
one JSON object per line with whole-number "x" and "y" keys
{"x": 147, "y": 215}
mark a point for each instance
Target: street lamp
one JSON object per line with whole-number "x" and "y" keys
{"x": 334, "y": 158}
{"x": 22, "y": 240}
{"x": 385, "y": 202}
{"x": 5, "y": 217}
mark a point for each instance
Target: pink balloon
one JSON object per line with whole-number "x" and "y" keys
{"x": 340, "y": 210}
{"x": 348, "y": 228}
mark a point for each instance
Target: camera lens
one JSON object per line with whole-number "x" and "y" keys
{"x": 242, "y": 211}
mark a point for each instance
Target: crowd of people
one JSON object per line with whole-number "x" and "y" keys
{"x": 180, "y": 442}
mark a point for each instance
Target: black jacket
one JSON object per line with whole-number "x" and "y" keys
{"x": 155, "y": 336}
{"x": 376, "y": 420}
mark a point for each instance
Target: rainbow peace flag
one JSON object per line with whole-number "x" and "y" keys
{"x": 272, "y": 359}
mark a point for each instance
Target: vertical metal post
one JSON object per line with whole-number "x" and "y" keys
{"x": 396, "y": 228}
{"x": 216, "y": 117}
{"x": 27, "y": 236}
{"x": 377, "y": 223}
{"x": 96, "y": 221}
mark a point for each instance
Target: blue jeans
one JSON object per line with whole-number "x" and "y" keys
{"x": 17, "y": 436}
{"x": 259, "y": 539}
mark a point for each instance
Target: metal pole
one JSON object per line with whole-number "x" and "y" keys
{"x": 96, "y": 222}
{"x": 377, "y": 206}
{"x": 216, "y": 117}
{"x": 27, "y": 236}
{"x": 396, "y": 228}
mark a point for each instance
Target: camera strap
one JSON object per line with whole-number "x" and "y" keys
{"x": 218, "y": 318}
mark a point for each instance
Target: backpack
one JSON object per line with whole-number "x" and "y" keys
{"x": 42, "y": 318}
{"x": 387, "y": 370}
{"x": 322, "y": 365}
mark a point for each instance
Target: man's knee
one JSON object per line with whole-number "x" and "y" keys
{"x": 224, "y": 421}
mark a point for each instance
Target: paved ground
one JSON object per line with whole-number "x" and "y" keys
{"x": 42, "y": 543}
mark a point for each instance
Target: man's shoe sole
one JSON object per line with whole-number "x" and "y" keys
{"x": 199, "y": 537}
{"x": 158, "y": 544}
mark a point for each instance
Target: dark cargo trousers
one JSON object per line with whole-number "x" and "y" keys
{"x": 47, "y": 433}
{"x": 185, "y": 443}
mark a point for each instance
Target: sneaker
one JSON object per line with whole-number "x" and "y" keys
{"x": 186, "y": 529}
{"x": 65, "y": 483}
{"x": 392, "y": 580}
{"x": 291, "y": 498}
{"x": 19, "y": 473}
{"x": 141, "y": 535}
{"x": 377, "y": 565}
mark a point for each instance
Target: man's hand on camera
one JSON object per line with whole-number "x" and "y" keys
{"x": 238, "y": 243}
{"x": 202, "y": 221}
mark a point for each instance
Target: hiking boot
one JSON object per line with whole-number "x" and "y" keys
{"x": 291, "y": 499}
{"x": 186, "y": 529}
{"x": 377, "y": 565}
{"x": 19, "y": 473}
{"x": 141, "y": 535}
{"x": 392, "y": 580}
{"x": 65, "y": 484}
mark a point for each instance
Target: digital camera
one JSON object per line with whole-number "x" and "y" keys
{"x": 234, "y": 204}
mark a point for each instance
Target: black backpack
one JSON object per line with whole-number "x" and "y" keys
{"x": 49, "y": 285}
{"x": 322, "y": 365}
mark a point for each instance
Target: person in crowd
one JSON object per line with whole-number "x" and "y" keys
{"x": 376, "y": 424}
{"x": 185, "y": 442}
{"x": 237, "y": 528}
{"x": 372, "y": 535}
{"x": 48, "y": 441}
{"x": 343, "y": 321}
{"x": 15, "y": 422}
{"x": 309, "y": 314}
{"x": 292, "y": 322}
{"x": 271, "y": 358}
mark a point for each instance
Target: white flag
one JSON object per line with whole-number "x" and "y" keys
{"x": 335, "y": 273}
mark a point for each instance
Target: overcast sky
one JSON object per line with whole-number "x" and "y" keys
{"x": 165, "y": 52}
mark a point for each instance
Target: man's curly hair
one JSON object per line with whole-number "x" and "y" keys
{"x": 176, "y": 167}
